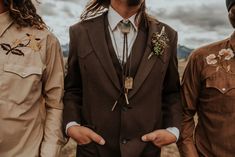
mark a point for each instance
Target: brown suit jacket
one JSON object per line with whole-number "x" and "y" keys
{"x": 208, "y": 89}
{"x": 92, "y": 86}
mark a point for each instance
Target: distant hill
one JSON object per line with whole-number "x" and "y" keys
{"x": 183, "y": 51}
{"x": 65, "y": 50}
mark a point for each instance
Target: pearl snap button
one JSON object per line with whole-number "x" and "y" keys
{"x": 124, "y": 141}
{"x": 223, "y": 89}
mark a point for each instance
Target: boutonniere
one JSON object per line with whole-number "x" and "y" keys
{"x": 159, "y": 42}
{"x": 217, "y": 60}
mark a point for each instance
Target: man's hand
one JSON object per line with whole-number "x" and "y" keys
{"x": 160, "y": 138}
{"x": 83, "y": 135}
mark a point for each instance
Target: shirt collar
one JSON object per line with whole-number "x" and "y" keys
{"x": 5, "y": 22}
{"x": 114, "y": 18}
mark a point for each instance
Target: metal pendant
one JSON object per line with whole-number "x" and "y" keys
{"x": 129, "y": 82}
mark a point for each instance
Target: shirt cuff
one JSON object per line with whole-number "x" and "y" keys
{"x": 175, "y": 131}
{"x": 70, "y": 124}
{"x": 50, "y": 150}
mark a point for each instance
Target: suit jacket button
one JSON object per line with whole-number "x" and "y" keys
{"x": 125, "y": 108}
{"x": 23, "y": 74}
{"x": 124, "y": 141}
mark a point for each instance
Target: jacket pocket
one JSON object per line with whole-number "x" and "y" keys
{"x": 151, "y": 151}
{"x": 87, "y": 150}
{"x": 218, "y": 95}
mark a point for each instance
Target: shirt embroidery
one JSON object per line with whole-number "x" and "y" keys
{"x": 218, "y": 59}
{"x": 29, "y": 41}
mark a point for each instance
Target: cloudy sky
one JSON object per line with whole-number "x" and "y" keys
{"x": 198, "y": 22}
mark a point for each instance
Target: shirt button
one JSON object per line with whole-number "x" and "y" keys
{"x": 124, "y": 141}
{"x": 23, "y": 74}
{"x": 223, "y": 89}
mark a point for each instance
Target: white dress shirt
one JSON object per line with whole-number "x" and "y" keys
{"x": 117, "y": 36}
{"x": 114, "y": 18}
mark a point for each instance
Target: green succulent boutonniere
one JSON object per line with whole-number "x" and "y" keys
{"x": 159, "y": 43}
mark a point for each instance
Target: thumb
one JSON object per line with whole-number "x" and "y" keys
{"x": 96, "y": 138}
{"x": 149, "y": 137}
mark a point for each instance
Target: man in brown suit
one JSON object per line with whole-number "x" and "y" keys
{"x": 208, "y": 89}
{"x": 122, "y": 87}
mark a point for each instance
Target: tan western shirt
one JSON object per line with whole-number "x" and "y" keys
{"x": 208, "y": 89}
{"x": 31, "y": 89}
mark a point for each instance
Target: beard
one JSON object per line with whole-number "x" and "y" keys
{"x": 231, "y": 16}
{"x": 232, "y": 21}
{"x": 132, "y": 3}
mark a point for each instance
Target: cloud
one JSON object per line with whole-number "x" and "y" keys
{"x": 198, "y": 21}
{"x": 67, "y": 10}
{"x": 197, "y": 24}
{"x": 60, "y": 14}
{"x": 48, "y": 9}
{"x": 208, "y": 17}
{"x": 61, "y": 8}
{"x": 80, "y": 2}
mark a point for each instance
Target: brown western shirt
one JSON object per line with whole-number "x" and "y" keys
{"x": 31, "y": 88}
{"x": 208, "y": 89}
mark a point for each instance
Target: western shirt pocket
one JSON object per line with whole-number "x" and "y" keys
{"x": 222, "y": 81}
{"x": 22, "y": 71}
{"x": 218, "y": 94}
{"x": 20, "y": 83}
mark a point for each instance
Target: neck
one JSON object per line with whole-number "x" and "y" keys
{"x": 123, "y": 9}
{"x": 2, "y": 7}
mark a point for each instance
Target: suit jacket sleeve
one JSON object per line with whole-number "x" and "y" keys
{"x": 189, "y": 91}
{"x": 73, "y": 83}
{"x": 172, "y": 109}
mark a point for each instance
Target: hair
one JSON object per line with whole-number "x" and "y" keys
{"x": 96, "y": 7}
{"x": 25, "y": 14}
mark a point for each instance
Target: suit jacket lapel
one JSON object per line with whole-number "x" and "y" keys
{"x": 137, "y": 51}
{"x": 96, "y": 32}
{"x": 146, "y": 64}
{"x": 101, "y": 49}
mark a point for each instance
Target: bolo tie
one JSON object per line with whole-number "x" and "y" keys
{"x": 127, "y": 79}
